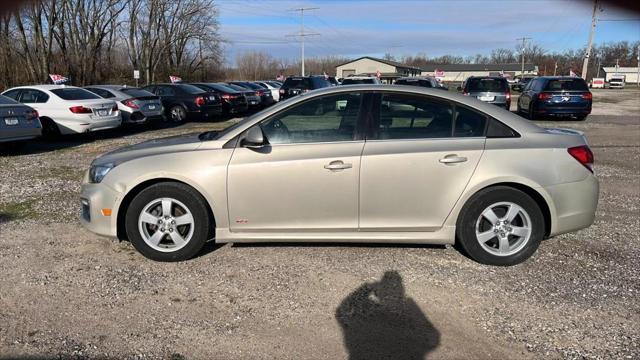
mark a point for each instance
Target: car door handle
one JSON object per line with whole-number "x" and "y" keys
{"x": 453, "y": 159}
{"x": 337, "y": 165}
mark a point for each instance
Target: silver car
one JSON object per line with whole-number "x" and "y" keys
{"x": 491, "y": 89}
{"x": 137, "y": 106}
{"x": 358, "y": 163}
{"x": 18, "y": 122}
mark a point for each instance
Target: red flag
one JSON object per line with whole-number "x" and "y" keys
{"x": 378, "y": 74}
{"x": 58, "y": 79}
{"x": 175, "y": 79}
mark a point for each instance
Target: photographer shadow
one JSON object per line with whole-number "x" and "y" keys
{"x": 379, "y": 321}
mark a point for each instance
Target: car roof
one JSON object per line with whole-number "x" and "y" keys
{"x": 45, "y": 87}
{"x": 360, "y": 77}
{"x": 110, "y": 87}
{"x": 559, "y": 77}
{"x": 416, "y": 78}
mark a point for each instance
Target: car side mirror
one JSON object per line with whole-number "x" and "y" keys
{"x": 254, "y": 138}
{"x": 459, "y": 88}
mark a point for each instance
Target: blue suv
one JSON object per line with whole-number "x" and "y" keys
{"x": 555, "y": 96}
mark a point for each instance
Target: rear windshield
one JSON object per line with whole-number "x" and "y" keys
{"x": 487, "y": 85}
{"x": 357, "y": 81}
{"x": 222, "y": 88}
{"x": 237, "y": 88}
{"x": 566, "y": 84}
{"x": 423, "y": 83}
{"x": 190, "y": 89}
{"x": 5, "y": 100}
{"x": 298, "y": 83}
{"x": 136, "y": 92}
{"x": 75, "y": 94}
{"x": 254, "y": 86}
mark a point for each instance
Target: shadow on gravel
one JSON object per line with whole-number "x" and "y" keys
{"x": 334, "y": 244}
{"x": 379, "y": 321}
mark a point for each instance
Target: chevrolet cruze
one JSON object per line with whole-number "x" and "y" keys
{"x": 360, "y": 163}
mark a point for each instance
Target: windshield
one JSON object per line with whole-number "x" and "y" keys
{"x": 75, "y": 94}
{"x": 566, "y": 85}
{"x": 357, "y": 81}
{"x": 423, "y": 83}
{"x": 217, "y": 134}
{"x": 486, "y": 85}
{"x": 136, "y": 92}
{"x": 190, "y": 89}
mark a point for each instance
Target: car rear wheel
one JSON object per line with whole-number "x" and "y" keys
{"x": 500, "y": 226}
{"x": 168, "y": 222}
{"x": 178, "y": 114}
{"x": 50, "y": 129}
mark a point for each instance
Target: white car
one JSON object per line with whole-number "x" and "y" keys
{"x": 616, "y": 83}
{"x": 67, "y": 109}
{"x": 275, "y": 91}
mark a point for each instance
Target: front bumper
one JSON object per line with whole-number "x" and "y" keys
{"x": 94, "y": 198}
{"x": 575, "y": 204}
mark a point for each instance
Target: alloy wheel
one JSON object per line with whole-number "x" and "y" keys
{"x": 166, "y": 224}
{"x": 503, "y": 229}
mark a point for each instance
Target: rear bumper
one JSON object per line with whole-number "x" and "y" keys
{"x": 94, "y": 198}
{"x": 73, "y": 126}
{"x": 19, "y": 134}
{"x": 575, "y": 204}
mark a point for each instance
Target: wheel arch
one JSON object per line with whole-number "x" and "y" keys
{"x": 131, "y": 194}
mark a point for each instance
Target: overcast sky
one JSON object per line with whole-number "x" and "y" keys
{"x": 356, "y": 28}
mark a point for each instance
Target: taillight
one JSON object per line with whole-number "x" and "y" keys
{"x": 80, "y": 110}
{"x": 200, "y": 101}
{"x": 114, "y": 108}
{"x": 260, "y": 93}
{"x": 587, "y": 96}
{"x": 282, "y": 91}
{"x": 544, "y": 96}
{"x": 508, "y": 95}
{"x": 31, "y": 115}
{"x": 226, "y": 96}
{"x": 465, "y": 93}
{"x": 583, "y": 154}
{"x": 130, "y": 103}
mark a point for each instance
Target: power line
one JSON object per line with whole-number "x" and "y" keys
{"x": 302, "y": 34}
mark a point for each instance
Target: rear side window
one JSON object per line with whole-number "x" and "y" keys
{"x": 487, "y": 85}
{"x": 74, "y": 94}
{"x": 357, "y": 81}
{"x": 101, "y": 92}
{"x": 32, "y": 96}
{"x": 567, "y": 85}
{"x": 166, "y": 91}
{"x": 469, "y": 123}
{"x": 298, "y": 83}
{"x": 496, "y": 129}
{"x": 190, "y": 89}
{"x": 320, "y": 82}
{"x": 13, "y": 94}
{"x": 413, "y": 117}
{"x": 423, "y": 83}
{"x": 136, "y": 92}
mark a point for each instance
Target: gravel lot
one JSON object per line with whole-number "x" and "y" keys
{"x": 67, "y": 293}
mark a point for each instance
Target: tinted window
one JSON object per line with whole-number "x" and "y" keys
{"x": 236, "y": 87}
{"x": 320, "y": 82}
{"x": 357, "y": 81}
{"x": 566, "y": 84}
{"x": 136, "y": 92}
{"x": 414, "y": 117}
{"x": 190, "y": 89}
{"x": 167, "y": 91}
{"x": 414, "y": 82}
{"x": 298, "y": 83}
{"x": 4, "y": 100}
{"x": 486, "y": 84}
{"x": 74, "y": 94}
{"x": 329, "y": 118}
{"x": 101, "y": 92}
{"x": 254, "y": 86}
{"x": 469, "y": 123}
{"x": 496, "y": 129}
{"x": 222, "y": 88}
{"x": 33, "y": 96}
{"x": 13, "y": 94}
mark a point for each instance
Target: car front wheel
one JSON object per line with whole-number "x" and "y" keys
{"x": 500, "y": 226}
{"x": 168, "y": 222}
{"x": 178, "y": 114}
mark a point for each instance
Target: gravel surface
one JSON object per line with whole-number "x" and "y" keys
{"x": 70, "y": 294}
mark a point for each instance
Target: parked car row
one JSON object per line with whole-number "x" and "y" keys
{"x": 31, "y": 111}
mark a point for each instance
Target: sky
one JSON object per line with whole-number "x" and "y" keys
{"x": 353, "y": 28}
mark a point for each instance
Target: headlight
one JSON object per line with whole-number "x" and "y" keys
{"x": 98, "y": 172}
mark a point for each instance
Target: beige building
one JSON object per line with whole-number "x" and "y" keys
{"x": 630, "y": 73}
{"x": 370, "y": 66}
{"x": 460, "y": 72}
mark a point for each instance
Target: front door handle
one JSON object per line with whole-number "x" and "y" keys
{"x": 453, "y": 159}
{"x": 337, "y": 165}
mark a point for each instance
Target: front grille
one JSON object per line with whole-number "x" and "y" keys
{"x": 86, "y": 210}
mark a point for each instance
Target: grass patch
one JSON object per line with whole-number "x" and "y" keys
{"x": 17, "y": 211}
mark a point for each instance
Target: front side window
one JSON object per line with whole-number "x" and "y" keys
{"x": 469, "y": 123}
{"x": 166, "y": 91}
{"x": 324, "y": 119}
{"x": 413, "y": 117}
{"x": 32, "y": 96}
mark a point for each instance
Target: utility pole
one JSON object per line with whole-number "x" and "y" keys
{"x": 594, "y": 20}
{"x": 598, "y": 73}
{"x": 302, "y": 34}
{"x": 555, "y": 68}
{"x": 638, "y": 69}
{"x": 524, "y": 39}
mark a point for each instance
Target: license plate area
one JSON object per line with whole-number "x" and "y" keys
{"x": 486, "y": 98}
{"x": 102, "y": 112}
{"x": 11, "y": 121}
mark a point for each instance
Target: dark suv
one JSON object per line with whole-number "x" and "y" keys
{"x": 183, "y": 100}
{"x": 556, "y": 96}
{"x": 490, "y": 89}
{"x": 296, "y": 85}
{"x": 424, "y": 81}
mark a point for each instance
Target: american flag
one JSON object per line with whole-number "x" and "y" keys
{"x": 58, "y": 79}
{"x": 175, "y": 79}
{"x": 378, "y": 74}
{"x": 571, "y": 73}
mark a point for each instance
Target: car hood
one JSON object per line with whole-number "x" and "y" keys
{"x": 166, "y": 145}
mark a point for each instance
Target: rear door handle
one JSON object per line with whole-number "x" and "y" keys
{"x": 337, "y": 165}
{"x": 453, "y": 159}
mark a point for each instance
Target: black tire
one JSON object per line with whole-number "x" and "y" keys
{"x": 50, "y": 129}
{"x": 177, "y": 114}
{"x": 471, "y": 212}
{"x": 202, "y": 224}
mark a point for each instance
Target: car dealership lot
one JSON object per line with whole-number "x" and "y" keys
{"x": 66, "y": 291}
